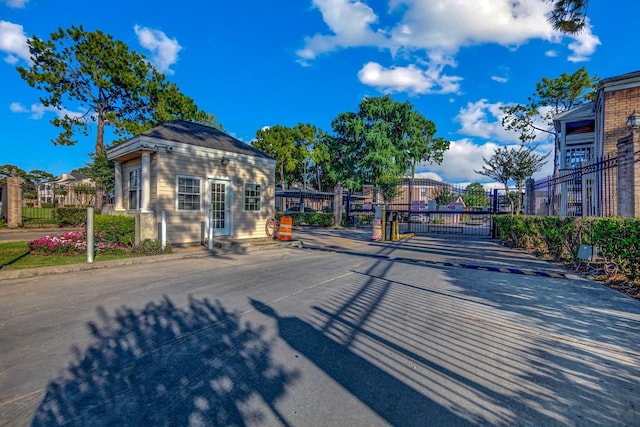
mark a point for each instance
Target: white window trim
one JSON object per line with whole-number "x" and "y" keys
{"x": 177, "y": 193}
{"x": 138, "y": 171}
{"x": 244, "y": 197}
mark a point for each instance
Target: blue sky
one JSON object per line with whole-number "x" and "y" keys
{"x": 254, "y": 64}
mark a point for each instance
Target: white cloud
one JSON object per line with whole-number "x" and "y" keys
{"x": 429, "y": 175}
{"x": 551, "y": 53}
{"x": 408, "y": 79}
{"x": 436, "y": 29}
{"x": 483, "y": 119}
{"x": 16, "y": 107}
{"x": 451, "y": 24}
{"x": 163, "y": 49}
{"x": 584, "y": 44}
{"x": 464, "y": 157}
{"x": 38, "y": 111}
{"x": 460, "y": 161}
{"x": 499, "y": 79}
{"x": 350, "y": 24}
{"x": 13, "y": 41}
{"x": 15, "y": 3}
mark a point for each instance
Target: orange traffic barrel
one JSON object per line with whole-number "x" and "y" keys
{"x": 286, "y": 225}
{"x": 376, "y": 233}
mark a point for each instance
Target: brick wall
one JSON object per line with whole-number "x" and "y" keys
{"x": 618, "y": 105}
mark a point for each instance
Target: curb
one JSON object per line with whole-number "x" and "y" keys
{"x": 69, "y": 268}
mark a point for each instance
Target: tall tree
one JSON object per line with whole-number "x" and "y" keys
{"x": 569, "y": 16}
{"x": 278, "y": 142}
{"x": 552, "y": 97}
{"x": 105, "y": 81}
{"x": 321, "y": 159}
{"x": 382, "y": 142}
{"x": 304, "y": 141}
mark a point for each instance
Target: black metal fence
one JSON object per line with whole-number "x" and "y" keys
{"x": 589, "y": 190}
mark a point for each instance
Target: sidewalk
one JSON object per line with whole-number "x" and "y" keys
{"x": 177, "y": 252}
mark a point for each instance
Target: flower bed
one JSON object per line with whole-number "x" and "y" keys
{"x": 72, "y": 243}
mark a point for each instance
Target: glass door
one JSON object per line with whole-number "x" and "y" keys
{"x": 219, "y": 212}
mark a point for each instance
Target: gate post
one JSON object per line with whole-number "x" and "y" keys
{"x": 14, "y": 201}
{"x": 530, "y": 197}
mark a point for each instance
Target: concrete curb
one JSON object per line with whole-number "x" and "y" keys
{"x": 198, "y": 253}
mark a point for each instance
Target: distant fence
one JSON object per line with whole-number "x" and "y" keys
{"x": 421, "y": 205}
{"x": 40, "y": 200}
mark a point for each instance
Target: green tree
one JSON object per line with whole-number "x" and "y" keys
{"x": 444, "y": 196}
{"x": 569, "y": 16}
{"x": 321, "y": 158}
{"x": 278, "y": 142}
{"x": 101, "y": 171}
{"x": 382, "y": 142}
{"x": 11, "y": 170}
{"x": 475, "y": 195}
{"x": 106, "y": 81}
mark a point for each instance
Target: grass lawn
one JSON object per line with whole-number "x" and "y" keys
{"x": 15, "y": 255}
{"x": 11, "y": 252}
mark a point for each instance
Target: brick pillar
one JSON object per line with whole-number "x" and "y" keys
{"x": 14, "y": 201}
{"x": 627, "y": 174}
{"x": 530, "y": 197}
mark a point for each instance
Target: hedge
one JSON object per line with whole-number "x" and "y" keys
{"x": 115, "y": 229}
{"x": 69, "y": 216}
{"x": 559, "y": 238}
{"x": 310, "y": 218}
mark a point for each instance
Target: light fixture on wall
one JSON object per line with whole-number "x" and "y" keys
{"x": 224, "y": 161}
{"x": 633, "y": 121}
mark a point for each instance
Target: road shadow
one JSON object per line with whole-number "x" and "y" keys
{"x": 335, "y": 340}
{"x": 167, "y": 365}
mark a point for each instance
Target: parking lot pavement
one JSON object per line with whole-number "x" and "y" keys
{"x": 453, "y": 250}
{"x": 340, "y": 332}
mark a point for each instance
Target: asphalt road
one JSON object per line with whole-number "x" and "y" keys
{"x": 303, "y": 337}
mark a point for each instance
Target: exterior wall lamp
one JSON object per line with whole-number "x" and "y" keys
{"x": 633, "y": 121}
{"x": 224, "y": 161}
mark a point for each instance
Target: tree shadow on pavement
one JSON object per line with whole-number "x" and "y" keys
{"x": 168, "y": 365}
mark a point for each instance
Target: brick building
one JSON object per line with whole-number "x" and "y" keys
{"x": 600, "y": 152}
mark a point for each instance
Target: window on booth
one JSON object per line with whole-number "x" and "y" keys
{"x": 134, "y": 189}
{"x": 188, "y": 193}
{"x": 252, "y": 193}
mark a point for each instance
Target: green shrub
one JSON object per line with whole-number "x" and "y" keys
{"x": 151, "y": 247}
{"x": 617, "y": 239}
{"x": 115, "y": 229}
{"x": 310, "y": 218}
{"x": 69, "y": 216}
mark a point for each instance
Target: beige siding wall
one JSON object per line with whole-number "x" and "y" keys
{"x": 251, "y": 224}
{"x": 187, "y": 227}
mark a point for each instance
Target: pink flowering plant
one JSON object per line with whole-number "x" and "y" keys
{"x": 72, "y": 243}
